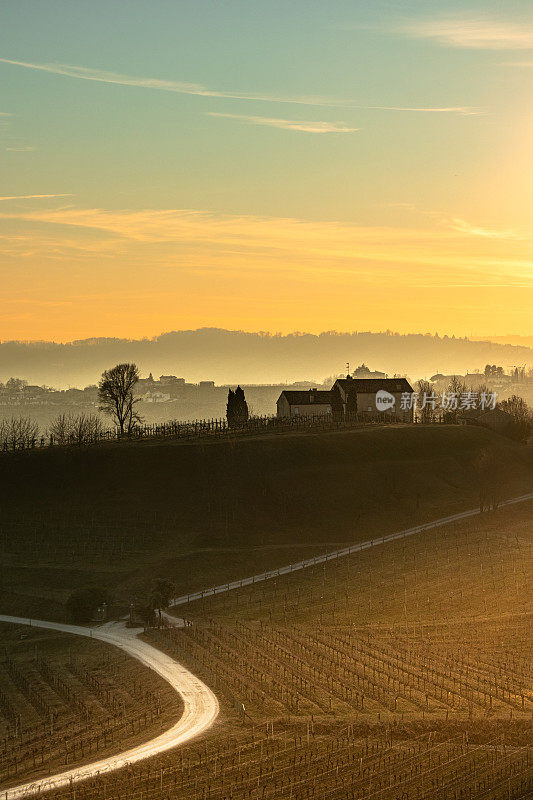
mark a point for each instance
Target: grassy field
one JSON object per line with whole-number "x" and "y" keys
{"x": 204, "y": 513}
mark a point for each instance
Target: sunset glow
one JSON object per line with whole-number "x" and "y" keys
{"x": 281, "y": 167}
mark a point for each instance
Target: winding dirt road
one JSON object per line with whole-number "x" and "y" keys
{"x": 200, "y": 706}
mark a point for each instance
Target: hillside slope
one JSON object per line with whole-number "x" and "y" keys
{"x": 204, "y": 513}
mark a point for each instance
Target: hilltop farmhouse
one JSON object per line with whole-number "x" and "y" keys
{"x": 306, "y": 402}
{"x": 366, "y": 397}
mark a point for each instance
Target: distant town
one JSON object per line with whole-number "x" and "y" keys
{"x": 170, "y": 397}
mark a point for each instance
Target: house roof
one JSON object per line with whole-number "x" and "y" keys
{"x": 308, "y": 397}
{"x": 372, "y": 385}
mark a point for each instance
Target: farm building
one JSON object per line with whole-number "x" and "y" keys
{"x": 364, "y": 397}
{"x": 307, "y": 403}
{"x": 358, "y": 395}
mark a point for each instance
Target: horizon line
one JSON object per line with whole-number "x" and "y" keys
{"x": 273, "y": 334}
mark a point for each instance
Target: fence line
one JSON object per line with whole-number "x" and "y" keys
{"x": 216, "y": 428}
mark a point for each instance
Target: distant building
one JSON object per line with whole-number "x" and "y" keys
{"x": 207, "y": 384}
{"x": 145, "y": 382}
{"x": 364, "y": 372}
{"x": 155, "y": 397}
{"x": 166, "y": 380}
{"x": 304, "y": 403}
{"x": 366, "y": 397}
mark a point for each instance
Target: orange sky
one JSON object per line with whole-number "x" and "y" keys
{"x": 136, "y": 273}
{"x": 343, "y": 168}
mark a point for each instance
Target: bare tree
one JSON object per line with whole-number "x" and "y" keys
{"x": 86, "y": 428}
{"x": 456, "y": 389}
{"x": 521, "y": 416}
{"x": 457, "y": 385}
{"x": 18, "y": 433}
{"x": 426, "y": 404}
{"x": 70, "y": 429}
{"x": 115, "y": 395}
{"x": 59, "y": 429}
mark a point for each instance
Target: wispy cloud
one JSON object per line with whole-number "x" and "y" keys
{"x": 289, "y": 124}
{"x": 179, "y": 87}
{"x": 32, "y": 196}
{"x": 523, "y": 64}
{"x": 226, "y": 270}
{"x": 471, "y": 32}
{"x": 466, "y": 111}
{"x": 23, "y": 148}
{"x": 463, "y": 226}
{"x": 207, "y": 238}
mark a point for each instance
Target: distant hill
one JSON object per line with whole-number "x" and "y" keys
{"x": 522, "y": 341}
{"x": 237, "y": 356}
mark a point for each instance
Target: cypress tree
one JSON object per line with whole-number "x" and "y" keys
{"x": 351, "y": 402}
{"x": 241, "y": 407}
{"x": 230, "y": 409}
{"x": 237, "y": 408}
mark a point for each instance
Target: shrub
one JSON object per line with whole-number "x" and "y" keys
{"x": 83, "y": 602}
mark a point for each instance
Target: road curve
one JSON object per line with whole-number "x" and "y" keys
{"x": 200, "y": 706}
{"x": 334, "y": 554}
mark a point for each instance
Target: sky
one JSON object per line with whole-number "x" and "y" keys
{"x": 275, "y": 165}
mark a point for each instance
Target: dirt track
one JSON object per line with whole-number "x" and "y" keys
{"x": 200, "y": 705}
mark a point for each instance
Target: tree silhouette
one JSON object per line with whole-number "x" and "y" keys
{"x": 337, "y": 406}
{"x": 351, "y": 400}
{"x": 230, "y": 409}
{"x": 237, "y": 412}
{"x": 521, "y": 422}
{"x": 115, "y": 396}
{"x": 456, "y": 388}
{"x": 163, "y": 590}
{"x": 84, "y": 600}
{"x": 79, "y": 429}
{"x": 241, "y": 406}
{"x": 427, "y": 411}
{"x": 18, "y": 433}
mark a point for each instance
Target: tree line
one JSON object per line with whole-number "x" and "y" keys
{"x": 116, "y": 400}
